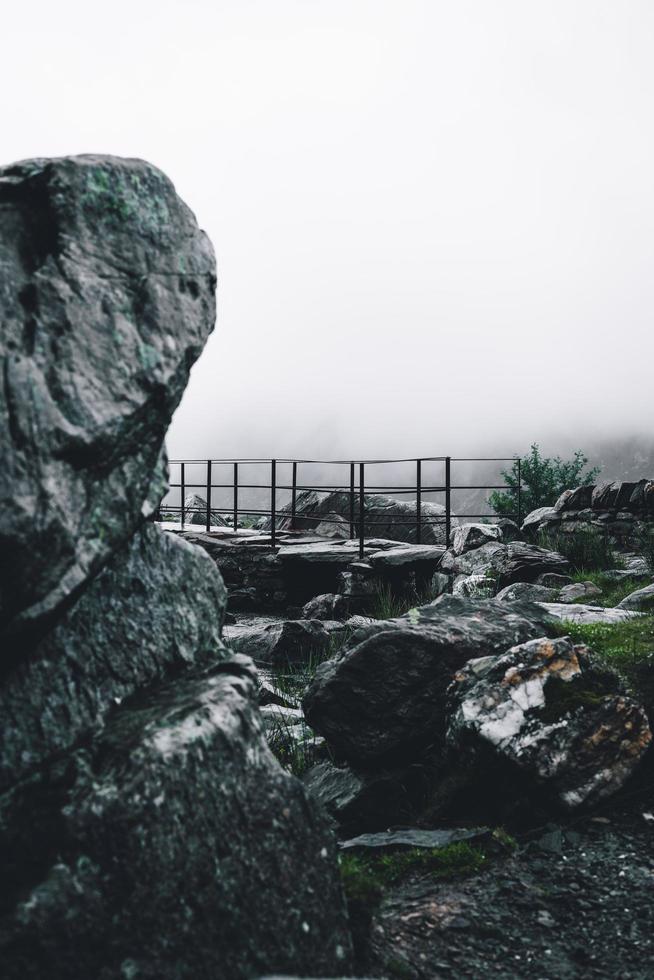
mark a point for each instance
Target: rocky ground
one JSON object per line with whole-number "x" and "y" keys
{"x": 574, "y": 900}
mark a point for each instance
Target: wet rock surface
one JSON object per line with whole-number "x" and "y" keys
{"x": 155, "y": 610}
{"x": 130, "y": 859}
{"x": 284, "y": 641}
{"x": 107, "y": 299}
{"x": 522, "y": 562}
{"x": 551, "y": 710}
{"x": 384, "y": 692}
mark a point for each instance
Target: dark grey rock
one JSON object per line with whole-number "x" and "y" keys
{"x": 521, "y": 562}
{"x": 580, "y": 613}
{"x": 579, "y": 590}
{"x": 383, "y": 694}
{"x": 107, "y": 299}
{"x": 472, "y": 562}
{"x": 410, "y": 838}
{"x": 288, "y": 641}
{"x": 414, "y": 556}
{"x": 195, "y": 512}
{"x": 173, "y": 846}
{"x": 510, "y": 530}
{"x": 474, "y": 586}
{"x": 366, "y": 800}
{"x": 156, "y": 609}
{"x": 641, "y": 601}
{"x": 526, "y": 591}
{"x": 552, "y": 580}
{"x": 469, "y": 536}
{"x": 578, "y": 499}
{"x": 542, "y": 517}
{"x": 328, "y": 606}
{"x": 333, "y": 526}
{"x": 546, "y": 707}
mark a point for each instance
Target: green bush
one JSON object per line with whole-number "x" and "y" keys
{"x": 542, "y": 479}
{"x": 587, "y": 549}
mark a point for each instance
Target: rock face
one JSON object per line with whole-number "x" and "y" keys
{"x": 101, "y": 263}
{"x": 547, "y": 708}
{"x": 383, "y": 695}
{"x": 156, "y": 609}
{"x": 134, "y": 878}
{"x": 385, "y": 517}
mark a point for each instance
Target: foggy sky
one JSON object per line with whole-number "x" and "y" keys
{"x": 433, "y": 220}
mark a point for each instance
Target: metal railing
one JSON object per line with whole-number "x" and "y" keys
{"x": 356, "y": 489}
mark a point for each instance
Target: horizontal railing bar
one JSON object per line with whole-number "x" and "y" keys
{"x": 346, "y": 462}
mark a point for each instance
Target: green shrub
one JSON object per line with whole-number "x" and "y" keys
{"x": 543, "y": 480}
{"x": 586, "y": 550}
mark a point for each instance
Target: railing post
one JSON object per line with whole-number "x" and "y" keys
{"x": 361, "y": 510}
{"x": 273, "y": 501}
{"x": 418, "y": 500}
{"x": 519, "y": 493}
{"x": 183, "y": 493}
{"x": 208, "y": 496}
{"x": 351, "y": 501}
{"x": 448, "y": 500}
{"x": 293, "y": 495}
{"x": 235, "y": 497}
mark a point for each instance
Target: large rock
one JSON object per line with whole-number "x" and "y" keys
{"x": 195, "y": 512}
{"x": 383, "y": 694}
{"x": 642, "y": 600}
{"x": 384, "y": 517}
{"x": 470, "y": 536}
{"x": 549, "y": 709}
{"x": 579, "y": 590}
{"x": 527, "y": 591}
{"x": 521, "y": 562}
{"x": 156, "y": 609}
{"x": 173, "y": 846}
{"x": 581, "y": 613}
{"x": 475, "y": 562}
{"x": 106, "y": 299}
{"x": 289, "y": 641}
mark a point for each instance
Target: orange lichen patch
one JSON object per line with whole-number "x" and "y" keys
{"x": 565, "y": 668}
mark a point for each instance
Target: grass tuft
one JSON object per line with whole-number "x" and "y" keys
{"x": 388, "y": 605}
{"x": 626, "y": 647}
{"x": 585, "y": 549}
{"x": 612, "y": 592}
{"x": 366, "y": 877}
